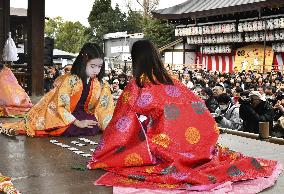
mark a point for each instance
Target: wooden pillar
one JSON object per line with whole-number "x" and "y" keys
{"x": 4, "y": 23}
{"x": 183, "y": 44}
{"x": 36, "y": 15}
{"x": 202, "y": 47}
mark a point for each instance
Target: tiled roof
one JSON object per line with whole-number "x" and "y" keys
{"x": 199, "y": 8}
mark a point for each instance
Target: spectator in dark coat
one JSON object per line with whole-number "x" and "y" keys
{"x": 255, "y": 110}
{"x": 210, "y": 102}
{"x": 122, "y": 81}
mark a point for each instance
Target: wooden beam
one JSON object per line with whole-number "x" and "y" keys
{"x": 179, "y": 50}
{"x": 4, "y": 23}
{"x": 36, "y": 14}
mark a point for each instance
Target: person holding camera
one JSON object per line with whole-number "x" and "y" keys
{"x": 210, "y": 102}
{"x": 278, "y": 128}
{"x": 228, "y": 113}
{"x": 255, "y": 109}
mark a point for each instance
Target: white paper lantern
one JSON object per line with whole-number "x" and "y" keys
{"x": 205, "y": 30}
{"x": 251, "y": 37}
{"x": 254, "y": 25}
{"x": 281, "y": 34}
{"x": 282, "y": 47}
{"x": 176, "y": 32}
{"x": 276, "y": 23}
{"x": 200, "y": 30}
{"x": 261, "y": 36}
{"x": 233, "y": 27}
{"x": 270, "y": 24}
{"x": 199, "y": 39}
{"x": 281, "y": 22}
{"x": 240, "y": 27}
{"x": 189, "y": 31}
{"x": 219, "y": 27}
{"x": 250, "y": 26}
{"x": 240, "y": 37}
{"x": 247, "y": 37}
{"x": 275, "y": 37}
{"x": 260, "y": 25}
{"x": 245, "y": 26}
{"x": 221, "y": 38}
{"x": 257, "y": 38}
{"x": 278, "y": 48}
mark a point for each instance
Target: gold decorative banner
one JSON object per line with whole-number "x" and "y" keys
{"x": 251, "y": 58}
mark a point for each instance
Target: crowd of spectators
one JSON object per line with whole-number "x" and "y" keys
{"x": 240, "y": 100}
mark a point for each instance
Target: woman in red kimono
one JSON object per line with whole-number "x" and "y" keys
{"x": 175, "y": 147}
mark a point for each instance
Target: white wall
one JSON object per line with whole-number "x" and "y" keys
{"x": 178, "y": 57}
{"x": 168, "y": 57}
{"x": 190, "y": 57}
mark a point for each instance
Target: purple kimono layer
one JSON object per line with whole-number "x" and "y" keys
{"x": 80, "y": 114}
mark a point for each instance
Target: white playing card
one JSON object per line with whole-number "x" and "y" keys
{"x": 72, "y": 149}
{"x": 74, "y": 142}
{"x": 65, "y": 146}
{"x": 86, "y": 155}
{"x": 92, "y": 150}
{"x": 53, "y": 141}
{"x": 93, "y": 143}
{"x": 78, "y": 152}
{"x": 60, "y": 144}
{"x": 80, "y": 144}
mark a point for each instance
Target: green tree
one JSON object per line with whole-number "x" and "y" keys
{"x": 158, "y": 31}
{"x": 104, "y": 19}
{"x": 52, "y": 25}
{"x": 134, "y": 22}
{"x": 68, "y": 36}
{"x": 100, "y": 7}
{"x": 71, "y": 37}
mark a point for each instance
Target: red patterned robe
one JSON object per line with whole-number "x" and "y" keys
{"x": 175, "y": 148}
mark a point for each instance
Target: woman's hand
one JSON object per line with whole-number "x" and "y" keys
{"x": 85, "y": 123}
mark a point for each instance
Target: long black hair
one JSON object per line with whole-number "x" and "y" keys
{"x": 147, "y": 61}
{"x": 88, "y": 52}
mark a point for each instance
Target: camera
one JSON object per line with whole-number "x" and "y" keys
{"x": 271, "y": 101}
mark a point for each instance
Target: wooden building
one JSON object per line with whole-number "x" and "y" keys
{"x": 231, "y": 35}
{"x": 35, "y": 40}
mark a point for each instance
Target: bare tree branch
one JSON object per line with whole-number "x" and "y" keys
{"x": 148, "y": 5}
{"x": 139, "y": 3}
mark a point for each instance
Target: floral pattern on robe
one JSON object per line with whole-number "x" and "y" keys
{"x": 175, "y": 147}
{"x": 52, "y": 115}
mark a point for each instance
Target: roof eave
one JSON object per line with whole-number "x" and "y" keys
{"x": 215, "y": 12}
